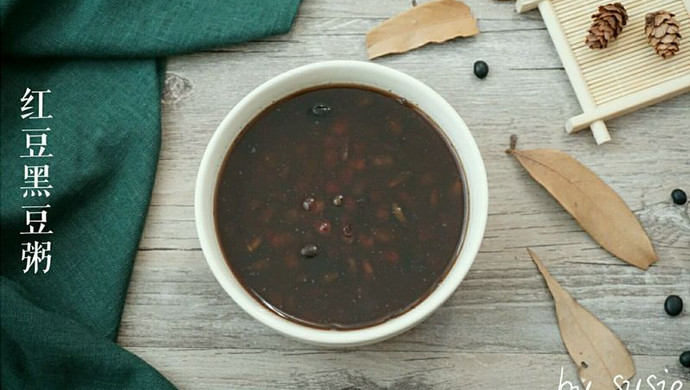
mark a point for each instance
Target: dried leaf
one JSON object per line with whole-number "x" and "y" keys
{"x": 593, "y": 204}
{"x": 595, "y": 349}
{"x": 436, "y": 21}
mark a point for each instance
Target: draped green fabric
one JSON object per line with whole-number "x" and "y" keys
{"x": 100, "y": 122}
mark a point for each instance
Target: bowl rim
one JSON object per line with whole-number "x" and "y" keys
{"x": 477, "y": 207}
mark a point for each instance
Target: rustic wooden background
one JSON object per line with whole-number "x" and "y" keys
{"x": 498, "y": 331}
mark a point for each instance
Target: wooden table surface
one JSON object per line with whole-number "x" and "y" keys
{"x": 498, "y": 331}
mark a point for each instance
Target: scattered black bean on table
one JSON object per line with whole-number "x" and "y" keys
{"x": 673, "y": 305}
{"x": 349, "y": 212}
{"x": 684, "y": 359}
{"x": 481, "y": 69}
{"x": 679, "y": 197}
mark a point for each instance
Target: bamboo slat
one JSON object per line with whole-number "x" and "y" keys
{"x": 628, "y": 66}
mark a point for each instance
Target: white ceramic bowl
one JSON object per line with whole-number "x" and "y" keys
{"x": 338, "y": 72}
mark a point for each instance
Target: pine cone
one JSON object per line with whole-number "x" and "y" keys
{"x": 662, "y": 29}
{"x": 606, "y": 26}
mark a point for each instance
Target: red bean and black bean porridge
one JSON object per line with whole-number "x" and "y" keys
{"x": 340, "y": 207}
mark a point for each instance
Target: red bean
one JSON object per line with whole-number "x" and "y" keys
{"x": 300, "y": 149}
{"x": 350, "y": 204}
{"x": 330, "y": 143}
{"x": 332, "y": 187}
{"x": 456, "y": 188}
{"x": 330, "y": 159}
{"x": 291, "y": 216}
{"x": 339, "y": 128}
{"x": 400, "y": 178}
{"x": 346, "y": 176}
{"x": 405, "y": 199}
{"x": 365, "y": 241}
{"x": 352, "y": 264}
{"x": 324, "y": 227}
{"x": 330, "y": 277}
{"x": 359, "y": 164}
{"x": 382, "y": 214}
{"x": 359, "y": 187}
{"x": 427, "y": 179}
{"x": 395, "y": 127}
{"x": 360, "y": 149}
{"x": 383, "y": 161}
{"x": 266, "y": 214}
{"x": 291, "y": 261}
{"x": 433, "y": 198}
{"x": 367, "y": 268}
{"x": 345, "y": 153}
{"x": 377, "y": 196}
{"x": 424, "y": 235}
{"x": 280, "y": 239}
{"x": 365, "y": 101}
{"x": 382, "y": 234}
{"x": 261, "y": 265}
{"x": 391, "y": 257}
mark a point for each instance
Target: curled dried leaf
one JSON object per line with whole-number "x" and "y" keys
{"x": 595, "y": 349}
{"x": 436, "y": 21}
{"x": 598, "y": 209}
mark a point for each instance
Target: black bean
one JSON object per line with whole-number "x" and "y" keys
{"x": 347, "y": 230}
{"x": 673, "y": 305}
{"x": 679, "y": 197}
{"x": 308, "y": 203}
{"x": 685, "y": 359}
{"x": 309, "y": 251}
{"x": 481, "y": 69}
{"x": 320, "y": 109}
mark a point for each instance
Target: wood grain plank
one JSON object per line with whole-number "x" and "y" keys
{"x": 502, "y": 306}
{"x": 355, "y": 369}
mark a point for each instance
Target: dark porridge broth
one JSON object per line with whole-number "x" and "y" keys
{"x": 340, "y": 207}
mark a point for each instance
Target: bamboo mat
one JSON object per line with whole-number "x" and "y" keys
{"x": 629, "y": 64}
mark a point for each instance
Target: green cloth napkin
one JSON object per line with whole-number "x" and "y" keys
{"x": 98, "y": 58}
